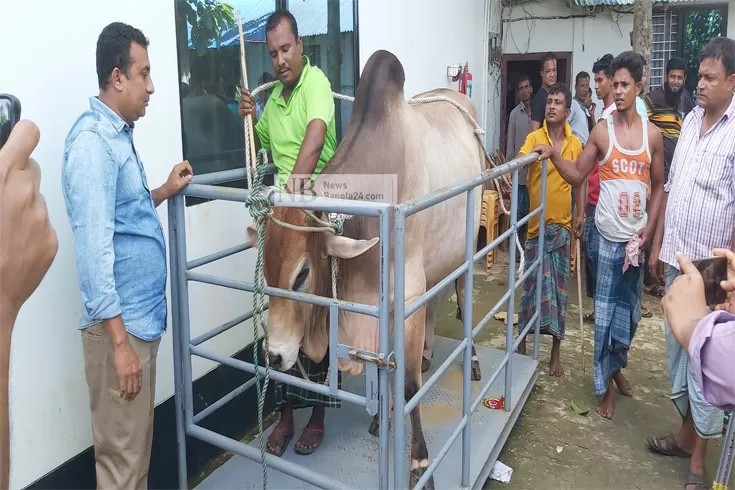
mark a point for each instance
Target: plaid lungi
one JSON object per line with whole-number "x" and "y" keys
{"x": 301, "y": 397}
{"x": 554, "y": 284}
{"x": 617, "y": 311}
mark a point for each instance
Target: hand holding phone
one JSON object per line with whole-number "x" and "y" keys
{"x": 714, "y": 272}
{"x": 9, "y": 116}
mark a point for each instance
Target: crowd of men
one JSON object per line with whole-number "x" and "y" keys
{"x": 652, "y": 177}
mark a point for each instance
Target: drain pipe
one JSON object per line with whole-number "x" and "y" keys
{"x": 485, "y": 68}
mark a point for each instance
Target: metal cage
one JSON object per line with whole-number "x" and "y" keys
{"x": 389, "y": 360}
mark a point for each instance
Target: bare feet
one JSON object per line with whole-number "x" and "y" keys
{"x": 313, "y": 433}
{"x": 282, "y": 433}
{"x": 606, "y": 410}
{"x": 623, "y": 384}
{"x": 555, "y": 367}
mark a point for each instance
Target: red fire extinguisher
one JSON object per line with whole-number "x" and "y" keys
{"x": 465, "y": 81}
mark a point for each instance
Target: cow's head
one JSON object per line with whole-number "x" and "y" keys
{"x": 299, "y": 261}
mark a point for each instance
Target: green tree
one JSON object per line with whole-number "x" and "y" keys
{"x": 700, "y": 27}
{"x": 208, "y": 20}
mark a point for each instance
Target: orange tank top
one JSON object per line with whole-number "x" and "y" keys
{"x": 624, "y": 181}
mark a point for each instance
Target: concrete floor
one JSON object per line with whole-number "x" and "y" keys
{"x": 553, "y": 447}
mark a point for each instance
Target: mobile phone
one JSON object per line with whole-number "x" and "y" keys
{"x": 9, "y": 116}
{"x": 713, "y": 271}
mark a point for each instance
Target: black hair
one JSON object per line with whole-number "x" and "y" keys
{"x": 631, "y": 61}
{"x": 560, "y": 88}
{"x": 548, "y": 56}
{"x": 722, "y": 49}
{"x": 676, "y": 63}
{"x": 524, "y": 78}
{"x": 604, "y": 65}
{"x": 276, "y": 17}
{"x": 580, "y": 75}
{"x": 113, "y": 49}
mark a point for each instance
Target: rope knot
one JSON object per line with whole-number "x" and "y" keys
{"x": 337, "y": 223}
{"x": 258, "y": 205}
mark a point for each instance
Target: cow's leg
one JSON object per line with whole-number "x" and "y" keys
{"x": 459, "y": 289}
{"x": 432, "y": 310}
{"x": 374, "y": 428}
{"x": 414, "y": 346}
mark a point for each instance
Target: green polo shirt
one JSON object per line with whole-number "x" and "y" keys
{"x": 282, "y": 126}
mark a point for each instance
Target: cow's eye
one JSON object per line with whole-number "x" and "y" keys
{"x": 301, "y": 278}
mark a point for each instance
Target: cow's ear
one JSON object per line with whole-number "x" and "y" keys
{"x": 348, "y": 248}
{"x": 252, "y": 236}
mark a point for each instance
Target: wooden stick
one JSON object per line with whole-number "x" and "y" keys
{"x": 579, "y": 292}
{"x": 249, "y": 126}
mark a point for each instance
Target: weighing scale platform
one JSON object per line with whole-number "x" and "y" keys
{"x": 350, "y": 454}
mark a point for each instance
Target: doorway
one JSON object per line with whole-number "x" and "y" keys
{"x": 513, "y": 67}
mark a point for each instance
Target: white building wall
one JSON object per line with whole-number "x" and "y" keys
{"x": 588, "y": 37}
{"x": 54, "y": 75}
{"x": 426, "y": 36}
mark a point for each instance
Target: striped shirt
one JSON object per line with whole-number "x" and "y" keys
{"x": 700, "y": 214}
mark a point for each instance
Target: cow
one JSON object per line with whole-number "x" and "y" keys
{"x": 426, "y": 146}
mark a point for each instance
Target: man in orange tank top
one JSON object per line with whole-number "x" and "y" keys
{"x": 630, "y": 152}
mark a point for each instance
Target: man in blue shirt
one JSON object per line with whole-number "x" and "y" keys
{"x": 121, "y": 257}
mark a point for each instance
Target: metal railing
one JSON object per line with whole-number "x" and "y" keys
{"x": 377, "y": 364}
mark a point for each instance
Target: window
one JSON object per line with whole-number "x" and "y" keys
{"x": 683, "y": 32}
{"x": 665, "y": 43}
{"x": 209, "y": 68}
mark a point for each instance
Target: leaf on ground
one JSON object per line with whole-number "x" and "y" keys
{"x": 503, "y": 316}
{"x": 577, "y": 409}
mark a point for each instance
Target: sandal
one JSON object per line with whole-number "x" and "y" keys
{"x": 645, "y": 313}
{"x": 669, "y": 448}
{"x": 289, "y": 435}
{"x": 589, "y": 318}
{"x": 310, "y": 430}
{"x": 696, "y": 480}
{"x": 656, "y": 290}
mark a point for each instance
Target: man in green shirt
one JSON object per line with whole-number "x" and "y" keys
{"x": 297, "y": 126}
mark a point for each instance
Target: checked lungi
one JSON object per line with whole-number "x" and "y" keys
{"x": 617, "y": 311}
{"x": 686, "y": 394}
{"x": 554, "y": 284}
{"x": 301, "y": 397}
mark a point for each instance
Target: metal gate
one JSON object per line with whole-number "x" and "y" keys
{"x": 388, "y": 361}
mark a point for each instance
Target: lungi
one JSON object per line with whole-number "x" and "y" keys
{"x": 617, "y": 311}
{"x": 686, "y": 394}
{"x": 554, "y": 284}
{"x": 301, "y": 397}
{"x": 591, "y": 250}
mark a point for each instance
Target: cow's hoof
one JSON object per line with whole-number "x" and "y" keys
{"x": 416, "y": 476}
{"x": 374, "y": 427}
{"x": 476, "y": 372}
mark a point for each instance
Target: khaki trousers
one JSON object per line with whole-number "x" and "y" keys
{"x": 122, "y": 430}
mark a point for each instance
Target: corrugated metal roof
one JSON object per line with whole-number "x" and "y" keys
{"x": 595, "y": 3}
